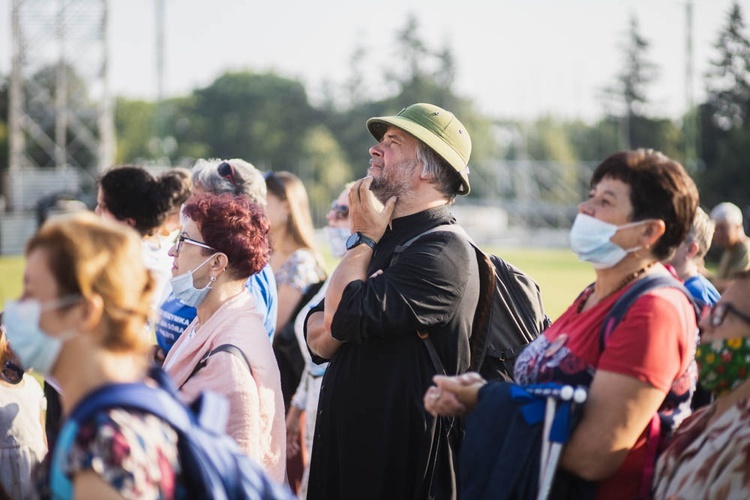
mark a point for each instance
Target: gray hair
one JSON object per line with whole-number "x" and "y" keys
{"x": 249, "y": 180}
{"x": 701, "y": 232}
{"x": 439, "y": 172}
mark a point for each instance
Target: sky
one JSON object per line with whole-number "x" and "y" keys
{"x": 514, "y": 58}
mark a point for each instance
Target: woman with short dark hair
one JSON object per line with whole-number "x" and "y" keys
{"x": 640, "y": 207}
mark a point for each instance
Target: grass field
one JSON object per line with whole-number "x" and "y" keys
{"x": 559, "y": 274}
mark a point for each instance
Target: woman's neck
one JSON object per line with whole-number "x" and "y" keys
{"x": 81, "y": 371}
{"x": 221, "y": 291}
{"x": 610, "y": 280}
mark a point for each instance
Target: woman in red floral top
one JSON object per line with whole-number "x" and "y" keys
{"x": 640, "y": 208}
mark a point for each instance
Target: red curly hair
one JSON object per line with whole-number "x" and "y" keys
{"x": 235, "y": 226}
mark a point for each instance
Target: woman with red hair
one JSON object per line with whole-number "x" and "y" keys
{"x": 225, "y": 349}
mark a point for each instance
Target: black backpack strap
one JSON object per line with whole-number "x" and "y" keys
{"x": 436, "y": 363}
{"x": 450, "y": 228}
{"x": 640, "y": 287}
{"x": 230, "y": 348}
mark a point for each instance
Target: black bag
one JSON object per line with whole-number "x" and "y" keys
{"x": 509, "y": 315}
{"x": 287, "y": 351}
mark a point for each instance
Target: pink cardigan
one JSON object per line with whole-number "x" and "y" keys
{"x": 256, "y": 406}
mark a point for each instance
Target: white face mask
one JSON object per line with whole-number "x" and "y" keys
{"x": 35, "y": 348}
{"x": 337, "y": 237}
{"x": 590, "y": 240}
{"x": 183, "y": 288}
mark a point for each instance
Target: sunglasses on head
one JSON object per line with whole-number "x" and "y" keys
{"x": 340, "y": 212}
{"x": 226, "y": 170}
{"x": 719, "y": 313}
{"x": 11, "y": 373}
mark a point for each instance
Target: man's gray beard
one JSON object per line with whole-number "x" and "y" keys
{"x": 383, "y": 190}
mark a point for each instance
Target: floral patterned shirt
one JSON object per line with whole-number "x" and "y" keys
{"x": 134, "y": 452}
{"x": 300, "y": 270}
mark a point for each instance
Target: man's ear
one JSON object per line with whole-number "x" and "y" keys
{"x": 692, "y": 250}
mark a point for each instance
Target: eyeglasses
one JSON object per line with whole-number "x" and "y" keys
{"x": 340, "y": 212}
{"x": 719, "y": 313}
{"x": 11, "y": 373}
{"x": 182, "y": 239}
{"x": 226, "y": 170}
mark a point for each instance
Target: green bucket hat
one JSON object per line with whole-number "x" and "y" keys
{"x": 437, "y": 128}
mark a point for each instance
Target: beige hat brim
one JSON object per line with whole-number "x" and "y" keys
{"x": 378, "y": 125}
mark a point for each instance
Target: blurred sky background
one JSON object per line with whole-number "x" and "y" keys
{"x": 515, "y": 58}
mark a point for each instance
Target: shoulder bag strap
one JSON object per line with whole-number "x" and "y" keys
{"x": 230, "y": 348}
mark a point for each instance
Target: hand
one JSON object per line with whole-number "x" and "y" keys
{"x": 292, "y": 432}
{"x": 365, "y": 212}
{"x": 452, "y": 396}
{"x": 158, "y": 355}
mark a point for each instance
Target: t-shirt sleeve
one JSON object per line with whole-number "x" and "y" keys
{"x": 654, "y": 341}
{"x": 135, "y": 453}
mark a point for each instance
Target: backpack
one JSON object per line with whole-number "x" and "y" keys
{"x": 212, "y": 464}
{"x": 509, "y": 316}
{"x": 655, "y": 435}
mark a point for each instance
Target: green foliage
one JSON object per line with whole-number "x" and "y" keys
{"x": 725, "y": 127}
{"x": 628, "y": 94}
{"x": 134, "y": 127}
{"x": 729, "y": 177}
{"x": 11, "y": 269}
{"x": 728, "y": 80}
{"x": 263, "y": 118}
{"x": 324, "y": 170}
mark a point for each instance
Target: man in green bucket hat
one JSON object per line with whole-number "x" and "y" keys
{"x": 373, "y": 438}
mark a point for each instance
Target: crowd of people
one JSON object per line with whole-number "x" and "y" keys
{"x": 353, "y": 384}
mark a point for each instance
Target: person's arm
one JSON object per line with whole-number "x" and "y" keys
{"x": 89, "y": 485}
{"x": 319, "y": 338}
{"x": 618, "y": 409}
{"x": 368, "y": 219}
{"x": 289, "y": 297}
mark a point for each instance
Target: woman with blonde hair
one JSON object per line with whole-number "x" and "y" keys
{"x": 86, "y": 299}
{"x": 299, "y": 272}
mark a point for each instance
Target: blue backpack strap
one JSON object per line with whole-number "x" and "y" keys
{"x": 136, "y": 396}
{"x": 640, "y": 287}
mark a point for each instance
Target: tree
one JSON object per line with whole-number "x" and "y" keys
{"x": 725, "y": 127}
{"x": 263, "y": 118}
{"x": 134, "y": 128}
{"x": 630, "y": 89}
{"x": 728, "y": 79}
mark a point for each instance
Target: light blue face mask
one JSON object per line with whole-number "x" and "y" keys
{"x": 590, "y": 240}
{"x": 337, "y": 237}
{"x": 183, "y": 289}
{"x": 35, "y": 349}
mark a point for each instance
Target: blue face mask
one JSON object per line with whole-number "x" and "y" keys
{"x": 337, "y": 237}
{"x": 35, "y": 349}
{"x": 183, "y": 289}
{"x": 590, "y": 240}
